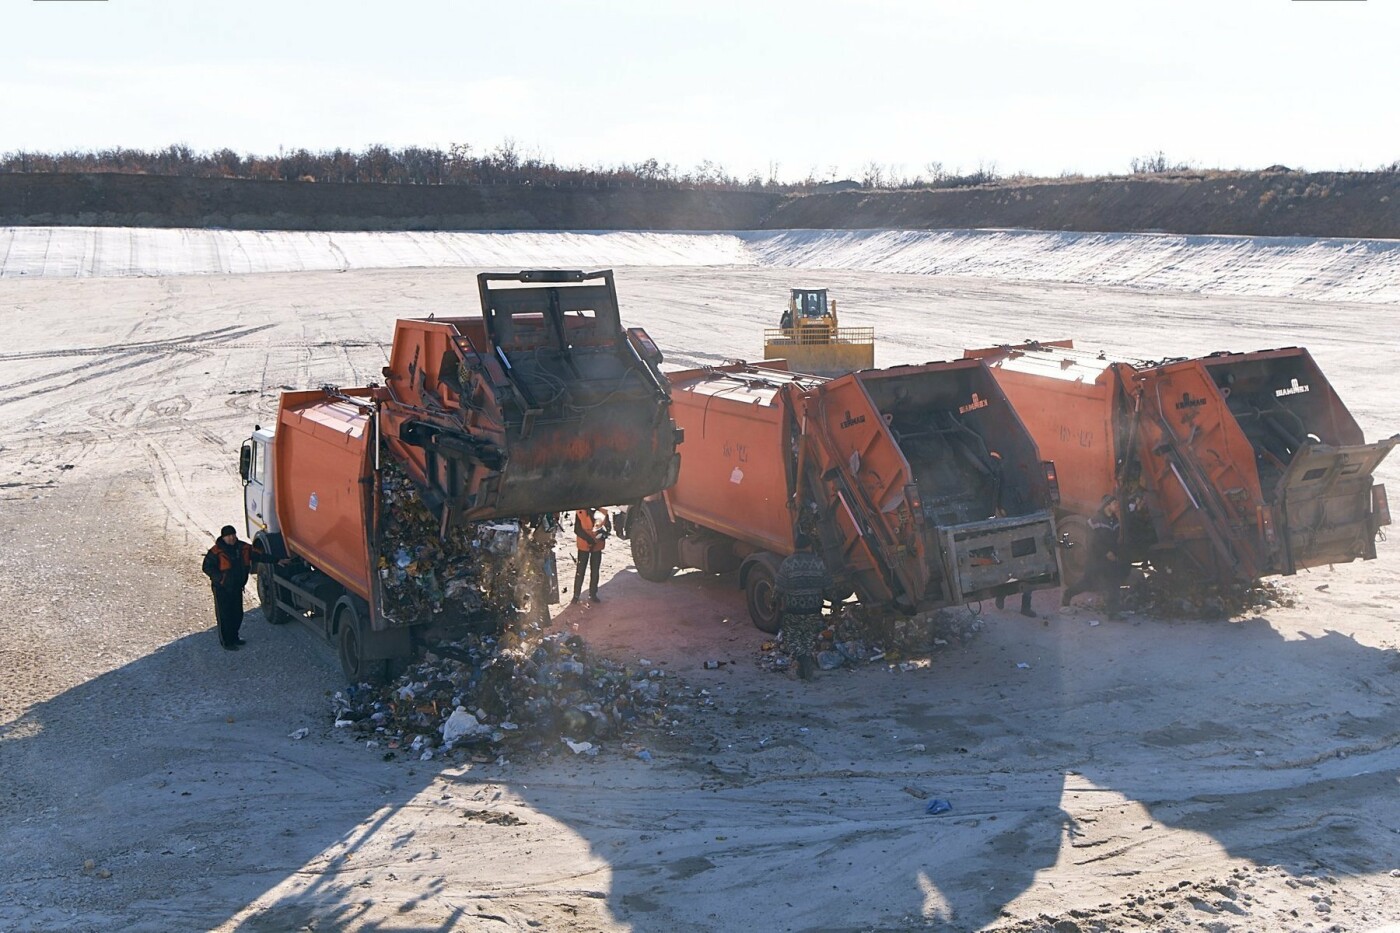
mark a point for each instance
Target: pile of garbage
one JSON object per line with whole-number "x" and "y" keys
{"x": 1176, "y": 596}
{"x": 855, "y": 636}
{"x": 473, "y": 573}
{"x": 523, "y": 690}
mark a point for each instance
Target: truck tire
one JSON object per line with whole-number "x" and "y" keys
{"x": 350, "y": 642}
{"x": 761, "y": 594}
{"x": 653, "y": 542}
{"x": 267, "y": 593}
{"x": 1074, "y": 548}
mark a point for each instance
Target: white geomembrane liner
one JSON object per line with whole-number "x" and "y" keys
{"x": 1279, "y": 267}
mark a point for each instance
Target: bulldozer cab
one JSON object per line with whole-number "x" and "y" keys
{"x": 808, "y": 303}
{"x": 808, "y": 307}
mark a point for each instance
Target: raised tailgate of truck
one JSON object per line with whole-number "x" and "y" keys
{"x": 1323, "y": 504}
{"x": 982, "y": 556}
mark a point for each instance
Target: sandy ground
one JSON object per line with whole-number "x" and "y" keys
{"x": 1155, "y": 774}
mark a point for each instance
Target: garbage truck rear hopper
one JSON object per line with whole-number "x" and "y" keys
{"x": 1230, "y": 467}
{"x": 921, "y": 486}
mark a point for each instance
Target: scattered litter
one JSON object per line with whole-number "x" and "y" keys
{"x": 938, "y": 805}
{"x": 461, "y": 723}
{"x": 300, "y": 734}
{"x": 581, "y": 748}
{"x": 1163, "y": 594}
{"x": 522, "y": 686}
{"x": 89, "y": 865}
{"x": 916, "y": 792}
{"x": 644, "y": 755}
{"x": 1093, "y": 622}
{"x": 856, "y": 636}
{"x": 916, "y": 747}
{"x": 714, "y": 665}
{"x": 1323, "y": 588}
{"x": 1022, "y": 666}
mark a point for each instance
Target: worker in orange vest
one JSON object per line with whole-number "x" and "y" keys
{"x": 592, "y": 528}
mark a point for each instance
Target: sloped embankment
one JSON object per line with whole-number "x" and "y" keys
{"x": 1276, "y": 203}
{"x": 1280, "y": 203}
{"x": 116, "y": 200}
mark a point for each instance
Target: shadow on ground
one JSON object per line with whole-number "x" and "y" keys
{"x": 791, "y": 806}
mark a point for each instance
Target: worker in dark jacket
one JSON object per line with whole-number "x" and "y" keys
{"x": 801, "y": 586}
{"x": 591, "y": 529}
{"x": 227, "y": 565}
{"x": 1104, "y": 571}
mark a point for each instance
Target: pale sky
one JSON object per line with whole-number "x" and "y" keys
{"x": 823, "y": 87}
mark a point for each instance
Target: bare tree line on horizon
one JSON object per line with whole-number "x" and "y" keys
{"x": 459, "y": 164}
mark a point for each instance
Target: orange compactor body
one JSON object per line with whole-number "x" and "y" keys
{"x": 918, "y": 485}
{"x": 1228, "y": 467}
{"x": 541, "y": 404}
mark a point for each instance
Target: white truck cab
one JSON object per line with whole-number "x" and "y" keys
{"x": 255, "y": 466}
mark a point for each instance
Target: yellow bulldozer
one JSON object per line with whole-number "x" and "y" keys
{"x": 809, "y": 338}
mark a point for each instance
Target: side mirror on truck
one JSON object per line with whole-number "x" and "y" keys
{"x": 245, "y": 462}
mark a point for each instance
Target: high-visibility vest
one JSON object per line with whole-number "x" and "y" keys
{"x": 587, "y": 523}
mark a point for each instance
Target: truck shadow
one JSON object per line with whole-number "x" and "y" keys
{"x": 178, "y": 776}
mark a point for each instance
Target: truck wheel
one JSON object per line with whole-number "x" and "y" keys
{"x": 762, "y": 597}
{"x": 1074, "y": 547}
{"x": 356, "y": 667}
{"x": 267, "y": 597}
{"x": 653, "y": 547}
{"x": 267, "y": 592}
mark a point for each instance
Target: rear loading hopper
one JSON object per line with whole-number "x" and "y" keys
{"x": 542, "y": 403}
{"x": 919, "y": 483}
{"x": 1233, "y": 466}
{"x": 932, "y": 491}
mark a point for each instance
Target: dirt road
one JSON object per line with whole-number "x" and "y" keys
{"x": 1155, "y": 774}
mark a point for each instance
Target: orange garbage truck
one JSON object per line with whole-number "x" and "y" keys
{"x": 918, "y": 483}
{"x": 1228, "y": 467}
{"x": 427, "y": 502}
